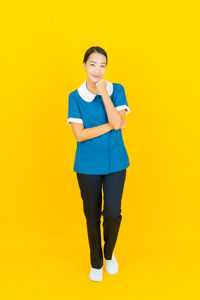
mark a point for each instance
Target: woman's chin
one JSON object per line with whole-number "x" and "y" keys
{"x": 94, "y": 79}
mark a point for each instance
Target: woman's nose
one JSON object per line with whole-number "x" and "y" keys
{"x": 98, "y": 70}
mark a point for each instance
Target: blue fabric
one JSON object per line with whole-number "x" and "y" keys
{"x": 106, "y": 153}
{"x": 119, "y": 97}
{"x": 73, "y": 108}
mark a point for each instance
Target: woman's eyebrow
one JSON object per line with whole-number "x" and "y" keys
{"x": 95, "y": 62}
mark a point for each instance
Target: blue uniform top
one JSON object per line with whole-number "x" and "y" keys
{"x": 106, "y": 153}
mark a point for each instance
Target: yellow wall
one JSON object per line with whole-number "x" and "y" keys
{"x": 153, "y": 50}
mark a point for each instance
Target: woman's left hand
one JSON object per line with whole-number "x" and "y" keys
{"x": 101, "y": 85}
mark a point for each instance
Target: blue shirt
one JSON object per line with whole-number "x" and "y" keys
{"x": 106, "y": 153}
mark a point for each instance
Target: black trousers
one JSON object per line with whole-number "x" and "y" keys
{"x": 91, "y": 194}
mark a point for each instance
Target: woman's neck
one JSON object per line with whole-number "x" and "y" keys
{"x": 91, "y": 86}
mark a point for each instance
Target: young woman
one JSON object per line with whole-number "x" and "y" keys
{"x": 96, "y": 112}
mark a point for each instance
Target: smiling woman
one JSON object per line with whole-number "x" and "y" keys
{"x": 96, "y": 112}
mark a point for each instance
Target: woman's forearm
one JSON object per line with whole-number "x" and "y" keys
{"x": 113, "y": 115}
{"x": 89, "y": 133}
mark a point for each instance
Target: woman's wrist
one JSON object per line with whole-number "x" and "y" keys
{"x": 109, "y": 126}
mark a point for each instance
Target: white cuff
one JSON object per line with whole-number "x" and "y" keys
{"x": 123, "y": 107}
{"x": 76, "y": 120}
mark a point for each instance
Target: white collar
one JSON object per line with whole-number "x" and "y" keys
{"x": 88, "y": 96}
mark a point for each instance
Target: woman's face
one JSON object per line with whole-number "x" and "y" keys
{"x": 95, "y": 66}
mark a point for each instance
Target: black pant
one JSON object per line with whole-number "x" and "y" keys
{"x": 91, "y": 193}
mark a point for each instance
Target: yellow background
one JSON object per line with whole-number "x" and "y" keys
{"x": 153, "y": 50}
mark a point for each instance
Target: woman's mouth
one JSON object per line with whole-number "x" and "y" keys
{"x": 95, "y": 76}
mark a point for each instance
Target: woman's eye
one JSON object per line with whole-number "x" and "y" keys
{"x": 93, "y": 65}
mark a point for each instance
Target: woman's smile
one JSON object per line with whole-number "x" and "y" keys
{"x": 96, "y": 76}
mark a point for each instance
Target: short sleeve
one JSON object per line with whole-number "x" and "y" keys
{"x": 74, "y": 114}
{"x": 119, "y": 99}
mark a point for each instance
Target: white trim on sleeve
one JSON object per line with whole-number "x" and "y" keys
{"x": 76, "y": 120}
{"x": 120, "y": 107}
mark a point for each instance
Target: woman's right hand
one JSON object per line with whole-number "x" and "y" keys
{"x": 123, "y": 124}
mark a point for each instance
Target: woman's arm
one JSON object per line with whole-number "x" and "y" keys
{"x": 113, "y": 115}
{"x": 83, "y": 134}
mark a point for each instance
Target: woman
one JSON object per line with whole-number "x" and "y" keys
{"x": 96, "y": 112}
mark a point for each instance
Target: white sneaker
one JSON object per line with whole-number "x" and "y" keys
{"x": 111, "y": 265}
{"x": 96, "y": 274}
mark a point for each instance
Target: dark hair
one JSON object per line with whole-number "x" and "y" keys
{"x": 92, "y": 50}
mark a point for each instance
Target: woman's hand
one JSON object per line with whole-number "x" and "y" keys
{"x": 123, "y": 125}
{"x": 101, "y": 85}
